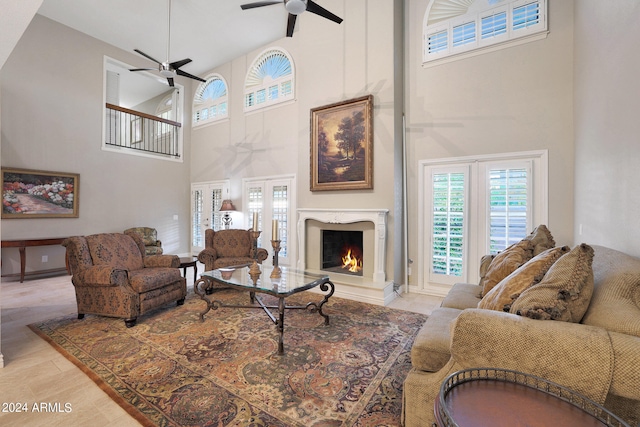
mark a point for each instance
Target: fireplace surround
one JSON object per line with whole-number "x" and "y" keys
{"x": 373, "y": 223}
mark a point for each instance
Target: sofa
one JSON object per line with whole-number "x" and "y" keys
{"x": 226, "y": 248}
{"x": 596, "y": 353}
{"x": 113, "y": 277}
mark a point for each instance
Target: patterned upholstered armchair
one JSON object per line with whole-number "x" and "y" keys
{"x": 225, "y": 248}
{"x": 113, "y": 277}
{"x": 152, "y": 246}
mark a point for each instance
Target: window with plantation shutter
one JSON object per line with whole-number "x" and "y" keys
{"x": 272, "y": 198}
{"x": 455, "y": 29}
{"x": 269, "y": 80}
{"x": 508, "y": 207}
{"x": 210, "y": 102}
{"x": 476, "y": 206}
{"x": 206, "y": 200}
{"x": 448, "y": 202}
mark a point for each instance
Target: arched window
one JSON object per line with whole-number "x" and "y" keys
{"x": 453, "y": 28}
{"x": 269, "y": 81}
{"x": 210, "y": 102}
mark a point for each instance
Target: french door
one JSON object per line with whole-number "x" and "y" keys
{"x": 272, "y": 198}
{"x": 476, "y": 206}
{"x": 206, "y": 199}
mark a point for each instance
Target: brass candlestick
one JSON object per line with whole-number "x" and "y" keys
{"x": 254, "y": 271}
{"x": 277, "y": 272}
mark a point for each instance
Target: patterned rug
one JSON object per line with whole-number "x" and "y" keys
{"x": 171, "y": 369}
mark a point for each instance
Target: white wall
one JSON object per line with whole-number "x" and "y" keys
{"x": 52, "y": 93}
{"x": 607, "y": 102}
{"x": 515, "y": 99}
{"x": 333, "y": 63}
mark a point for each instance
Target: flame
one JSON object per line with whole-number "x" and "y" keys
{"x": 351, "y": 262}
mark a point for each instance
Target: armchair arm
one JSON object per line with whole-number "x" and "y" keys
{"x": 262, "y": 254}
{"x": 100, "y": 275}
{"x": 574, "y": 355}
{"x": 207, "y": 255}
{"x": 151, "y": 261}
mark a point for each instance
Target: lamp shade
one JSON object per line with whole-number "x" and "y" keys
{"x": 227, "y": 206}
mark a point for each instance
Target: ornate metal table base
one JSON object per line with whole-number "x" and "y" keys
{"x": 204, "y": 285}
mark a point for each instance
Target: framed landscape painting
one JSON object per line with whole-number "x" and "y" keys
{"x": 39, "y": 194}
{"x": 342, "y": 145}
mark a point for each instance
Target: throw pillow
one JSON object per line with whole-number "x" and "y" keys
{"x": 505, "y": 263}
{"x": 504, "y": 293}
{"x": 541, "y": 238}
{"x": 565, "y": 291}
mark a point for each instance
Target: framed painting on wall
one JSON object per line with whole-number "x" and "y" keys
{"x": 342, "y": 145}
{"x": 39, "y": 194}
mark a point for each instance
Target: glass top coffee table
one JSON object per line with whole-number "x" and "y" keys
{"x": 290, "y": 282}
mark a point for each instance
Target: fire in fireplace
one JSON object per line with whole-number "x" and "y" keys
{"x": 342, "y": 251}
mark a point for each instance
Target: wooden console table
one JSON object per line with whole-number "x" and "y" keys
{"x": 24, "y": 243}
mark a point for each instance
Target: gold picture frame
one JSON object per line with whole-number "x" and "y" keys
{"x": 342, "y": 145}
{"x": 39, "y": 194}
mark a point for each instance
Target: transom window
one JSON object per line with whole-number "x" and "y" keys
{"x": 210, "y": 102}
{"x": 269, "y": 81}
{"x": 453, "y": 28}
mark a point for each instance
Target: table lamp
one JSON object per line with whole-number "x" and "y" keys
{"x": 227, "y": 207}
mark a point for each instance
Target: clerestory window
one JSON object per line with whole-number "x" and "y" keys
{"x": 269, "y": 81}
{"x": 454, "y": 29}
{"x": 210, "y": 102}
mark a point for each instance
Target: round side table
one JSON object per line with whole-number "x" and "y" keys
{"x": 499, "y": 397}
{"x": 189, "y": 262}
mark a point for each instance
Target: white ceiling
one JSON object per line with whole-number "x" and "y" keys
{"x": 210, "y": 32}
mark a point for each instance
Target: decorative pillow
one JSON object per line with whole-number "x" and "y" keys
{"x": 505, "y": 263}
{"x": 541, "y": 238}
{"x": 504, "y": 293}
{"x": 565, "y": 291}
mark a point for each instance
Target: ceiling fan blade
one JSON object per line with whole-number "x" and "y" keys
{"x": 258, "y": 4}
{"x": 319, "y": 10}
{"x": 170, "y": 81}
{"x": 291, "y": 23}
{"x": 191, "y": 76}
{"x": 142, "y": 69}
{"x": 147, "y": 56}
{"x": 178, "y": 64}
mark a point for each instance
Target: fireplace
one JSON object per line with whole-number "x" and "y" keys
{"x": 342, "y": 252}
{"x": 369, "y": 223}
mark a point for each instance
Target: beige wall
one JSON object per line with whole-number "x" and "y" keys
{"x": 607, "y": 88}
{"x": 51, "y": 88}
{"x": 514, "y": 99}
{"x": 530, "y": 97}
{"x": 333, "y": 63}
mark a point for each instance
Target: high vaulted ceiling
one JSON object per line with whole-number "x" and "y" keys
{"x": 210, "y": 32}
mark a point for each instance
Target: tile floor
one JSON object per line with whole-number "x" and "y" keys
{"x": 35, "y": 373}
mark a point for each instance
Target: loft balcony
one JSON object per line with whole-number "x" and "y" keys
{"x": 139, "y": 132}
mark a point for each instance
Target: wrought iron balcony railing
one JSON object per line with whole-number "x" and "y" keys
{"x": 133, "y": 130}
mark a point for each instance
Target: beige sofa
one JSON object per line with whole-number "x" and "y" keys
{"x": 598, "y": 357}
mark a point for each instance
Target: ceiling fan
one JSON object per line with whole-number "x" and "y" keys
{"x": 295, "y": 8}
{"x": 168, "y": 69}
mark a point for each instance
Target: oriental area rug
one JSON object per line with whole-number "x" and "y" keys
{"x": 171, "y": 369}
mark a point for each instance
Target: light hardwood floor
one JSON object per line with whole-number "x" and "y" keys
{"x": 35, "y": 373}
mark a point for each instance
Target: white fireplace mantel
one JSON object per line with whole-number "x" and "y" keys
{"x": 345, "y": 216}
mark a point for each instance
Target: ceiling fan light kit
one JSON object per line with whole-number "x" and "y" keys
{"x": 168, "y": 69}
{"x": 295, "y": 8}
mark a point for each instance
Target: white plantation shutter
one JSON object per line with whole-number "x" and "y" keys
{"x": 508, "y": 207}
{"x": 473, "y": 206}
{"x": 448, "y": 223}
{"x": 455, "y": 28}
{"x": 271, "y": 198}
